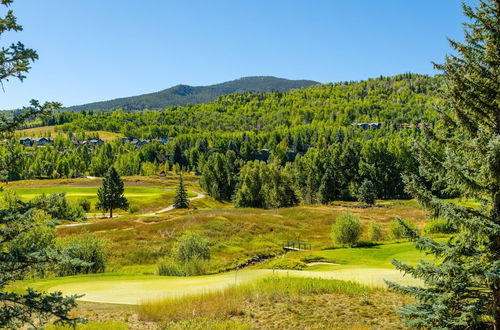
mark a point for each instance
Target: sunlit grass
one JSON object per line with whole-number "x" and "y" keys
{"x": 228, "y": 302}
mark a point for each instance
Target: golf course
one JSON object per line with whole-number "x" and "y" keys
{"x": 367, "y": 266}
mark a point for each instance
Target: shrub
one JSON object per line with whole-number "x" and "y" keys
{"x": 397, "y": 230}
{"x": 133, "y": 208}
{"x": 84, "y": 204}
{"x": 191, "y": 246}
{"x": 374, "y": 231}
{"x": 346, "y": 230}
{"x": 195, "y": 267}
{"x": 286, "y": 263}
{"x": 366, "y": 193}
{"x": 88, "y": 249}
{"x": 168, "y": 267}
{"x": 9, "y": 198}
{"x": 57, "y": 206}
{"x": 439, "y": 226}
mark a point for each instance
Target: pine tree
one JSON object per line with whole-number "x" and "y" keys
{"x": 181, "y": 200}
{"x": 18, "y": 220}
{"x": 462, "y": 287}
{"x": 110, "y": 194}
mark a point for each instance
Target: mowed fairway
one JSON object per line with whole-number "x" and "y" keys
{"x": 148, "y": 196}
{"x": 137, "y": 289}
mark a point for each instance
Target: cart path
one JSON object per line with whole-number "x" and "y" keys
{"x": 199, "y": 195}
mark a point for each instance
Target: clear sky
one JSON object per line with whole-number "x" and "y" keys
{"x": 94, "y": 50}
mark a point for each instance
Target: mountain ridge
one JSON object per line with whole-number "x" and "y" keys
{"x": 182, "y": 94}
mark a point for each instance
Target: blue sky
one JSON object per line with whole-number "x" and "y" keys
{"x": 93, "y": 50}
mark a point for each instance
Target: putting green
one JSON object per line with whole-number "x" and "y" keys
{"x": 134, "y": 290}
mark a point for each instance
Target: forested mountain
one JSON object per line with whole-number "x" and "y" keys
{"x": 311, "y": 139}
{"x": 184, "y": 94}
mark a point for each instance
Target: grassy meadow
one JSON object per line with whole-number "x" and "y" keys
{"x": 46, "y": 131}
{"x": 337, "y": 287}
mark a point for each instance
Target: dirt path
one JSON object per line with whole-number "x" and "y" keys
{"x": 171, "y": 207}
{"x": 199, "y": 195}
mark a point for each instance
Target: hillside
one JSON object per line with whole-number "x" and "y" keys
{"x": 184, "y": 94}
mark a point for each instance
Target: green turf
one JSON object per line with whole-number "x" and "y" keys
{"x": 141, "y": 196}
{"x": 379, "y": 256}
{"x": 369, "y": 266}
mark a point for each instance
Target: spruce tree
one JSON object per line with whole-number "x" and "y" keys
{"x": 181, "y": 200}
{"x": 110, "y": 194}
{"x": 462, "y": 287}
{"x": 19, "y": 220}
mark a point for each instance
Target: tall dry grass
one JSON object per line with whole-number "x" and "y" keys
{"x": 229, "y": 302}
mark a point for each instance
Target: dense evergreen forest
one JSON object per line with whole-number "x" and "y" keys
{"x": 318, "y": 144}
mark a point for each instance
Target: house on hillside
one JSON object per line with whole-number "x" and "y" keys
{"x": 27, "y": 141}
{"x": 30, "y": 142}
{"x": 263, "y": 155}
{"x": 368, "y": 125}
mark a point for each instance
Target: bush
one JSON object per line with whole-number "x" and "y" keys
{"x": 346, "y": 230}
{"x": 374, "y": 231}
{"x": 168, "y": 267}
{"x": 366, "y": 193}
{"x": 437, "y": 226}
{"x": 88, "y": 249}
{"x": 84, "y": 204}
{"x": 133, "y": 208}
{"x": 397, "y": 230}
{"x": 285, "y": 263}
{"x": 195, "y": 267}
{"x": 57, "y": 206}
{"x": 191, "y": 246}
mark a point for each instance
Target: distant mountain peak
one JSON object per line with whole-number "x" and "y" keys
{"x": 184, "y": 94}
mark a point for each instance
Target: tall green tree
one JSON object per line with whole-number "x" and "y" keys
{"x": 110, "y": 194}
{"x": 181, "y": 200}
{"x": 462, "y": 287}
{"x": 19, "y": 221}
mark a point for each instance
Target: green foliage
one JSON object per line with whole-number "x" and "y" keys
{"x": 374, "y": 231}
{"x": 191, "y": 246}
{"x": 442, "y": 226}
{"x": 10, "y": 198}
{"x": 169, "y": 267}
{"x": 398, "y": 228}
{"x": 264, "y": 185}
{"x": 57, "y": 206}
{"x": 110, "y": 194}
{"x": 20, "y": 222}
{"x": 133, "y": 208}
{"x": 183, "y": 94}
{"x": 346, "y": 230}
{"x": 195, "y": 267}
{"x": 84, "y": 204}
{"x": 181, "y": 200}
{"x": 286, "y": 263}
{"x": 220, "y": 175}
{"x": 87, "y": 248}
{"x": 463, "y": 289}
{"x": 366, "y": 193}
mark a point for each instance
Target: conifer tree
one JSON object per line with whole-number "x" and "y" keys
{"x": 110, "y": 194}
{"x": 462, "y": 287}
{"x": 181, "y": 200}
{"x": 18, "y": 220}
